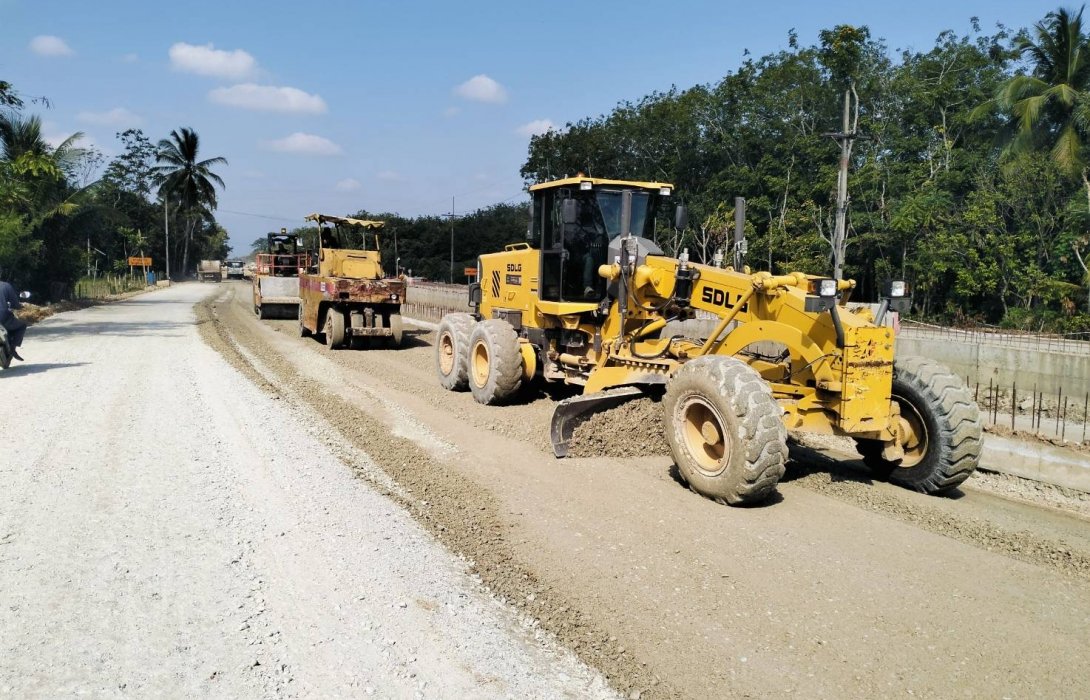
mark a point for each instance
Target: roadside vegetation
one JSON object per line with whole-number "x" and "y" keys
{"x": 967, "y": 174}
{"x": 66, "y": 211}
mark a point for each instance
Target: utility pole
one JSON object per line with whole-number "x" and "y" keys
{"x": 451, "y": 215}
{"x": 845, "y": 138}
{"x": 166, "y": 233}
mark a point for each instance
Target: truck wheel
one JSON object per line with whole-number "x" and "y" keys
{"x": 334, "y": 329}
{"x": 941, "y": 429}
{"x": 725, "y": 430}
{"x": 495, "y": 361}
{"x": 396, "y": 330}
{"x": 260, "y": 311}
{"x": 304, "y": 332}
{"x": 452, "y": 350}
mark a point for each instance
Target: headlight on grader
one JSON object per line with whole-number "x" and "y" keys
{"x": 896, "y": 289}
{"x": 826, "y": 289}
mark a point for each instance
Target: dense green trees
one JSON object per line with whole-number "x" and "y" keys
{"x": 986, "y": 231}
{"x": 57, "y": 221}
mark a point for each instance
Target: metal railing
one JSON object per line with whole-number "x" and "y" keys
{"x": 281, "y": 264}
{"x": 1069, "y": 343}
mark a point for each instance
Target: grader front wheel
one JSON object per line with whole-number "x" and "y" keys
{"x": 495, "y": 362}
{"x": 725, "y": 430}
{"x": 939, "y": 427}
{"x": 452, "y": 350}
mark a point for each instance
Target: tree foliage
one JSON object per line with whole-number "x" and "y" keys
{"x": 58, "y": 219}
{"x": 988, "y": 233}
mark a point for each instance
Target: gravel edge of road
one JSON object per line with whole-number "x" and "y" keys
{"x": 453, "y": 510}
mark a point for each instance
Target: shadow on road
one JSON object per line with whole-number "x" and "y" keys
{"x": 36, "y": 368}
{"x": 120, "y": 328}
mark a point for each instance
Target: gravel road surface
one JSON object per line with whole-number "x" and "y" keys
{"x": 169, "y": 528}
{"x": 838, "y": 587}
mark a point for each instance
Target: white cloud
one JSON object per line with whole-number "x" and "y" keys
{"x": 118, "y": 116}
{"x": 349, "y": 184}
{"x": 306, "y": 144}
{"x": 208, "y": 60}
{"x": 268, "y": 98}
{"x": 130, "y": 58}
{"x": 451, "y": 111}
{"x": 46, "y": 45}
{"x": 390, "y": 176}
{"x": 481, "y": 88}
{"x": 536, "y": 127}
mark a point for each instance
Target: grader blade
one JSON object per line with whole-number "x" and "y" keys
{"x": 571, "y": 412}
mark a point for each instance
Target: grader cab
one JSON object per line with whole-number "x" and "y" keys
{"x": 585, "y": 301}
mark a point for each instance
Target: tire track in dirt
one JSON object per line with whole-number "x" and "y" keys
{"x": 454, "y": 509}
{"x": 635, "y": 429}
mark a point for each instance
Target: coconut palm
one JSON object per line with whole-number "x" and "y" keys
{"x": 1050, "y": 106}
{"x": 37, "y": 172}
{"x": 185, "y": 179}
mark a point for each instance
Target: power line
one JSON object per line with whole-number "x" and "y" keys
{"x": 261, "y": 216}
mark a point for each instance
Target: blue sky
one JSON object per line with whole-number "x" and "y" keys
{"x": 398, "y": 106}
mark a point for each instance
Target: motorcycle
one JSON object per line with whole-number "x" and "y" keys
{"x": 7, "y": 352}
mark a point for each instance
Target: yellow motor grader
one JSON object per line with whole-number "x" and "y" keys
{"x": 588, "y": 301}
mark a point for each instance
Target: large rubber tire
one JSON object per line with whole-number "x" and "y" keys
{"x": 334, "y": 329}
{"x": 452, "y": 350}
{"x": 495, "y": 362}
{"x": 396, "y": 328}
{"x": 304, "y": 332}
{"x": 945, "y": 422}
{"x": 725, "y": 430}
{"x": 260, "y": 311}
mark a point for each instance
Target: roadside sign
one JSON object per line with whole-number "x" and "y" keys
{"x": 139, "y": 262}
{"x": 471, "y": 272}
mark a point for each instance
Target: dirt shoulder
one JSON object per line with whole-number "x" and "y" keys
{"x": 671, "y": 595}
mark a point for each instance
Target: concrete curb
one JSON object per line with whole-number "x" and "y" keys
{"x": 1037, "y": 461}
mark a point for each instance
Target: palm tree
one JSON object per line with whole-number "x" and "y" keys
{"x": 1050, "y": 106}
{"x": 24, "y": 148}
{"x": 191, "y": 182}
{"x": 37, "y": 172}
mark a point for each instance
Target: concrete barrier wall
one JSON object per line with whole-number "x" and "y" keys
{"x": 982, "y": 363}
{"x": 429, "y": 301}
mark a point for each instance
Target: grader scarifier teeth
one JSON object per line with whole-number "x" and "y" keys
{"x": 570, "y": 412}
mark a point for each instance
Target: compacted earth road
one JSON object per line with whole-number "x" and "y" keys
{"x": 167, "y": 528}
{"x": 193, "y": 501}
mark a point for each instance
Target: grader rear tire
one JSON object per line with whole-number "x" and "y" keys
{"x": 452, "y": 350}
{"x": 334, "y": 329}
{"x": 495, "y": 362}
{"x": 725, "y": 430}
{"x": 942, "y": 426}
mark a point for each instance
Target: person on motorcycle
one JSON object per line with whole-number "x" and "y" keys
{"x": 9, "y": 301}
